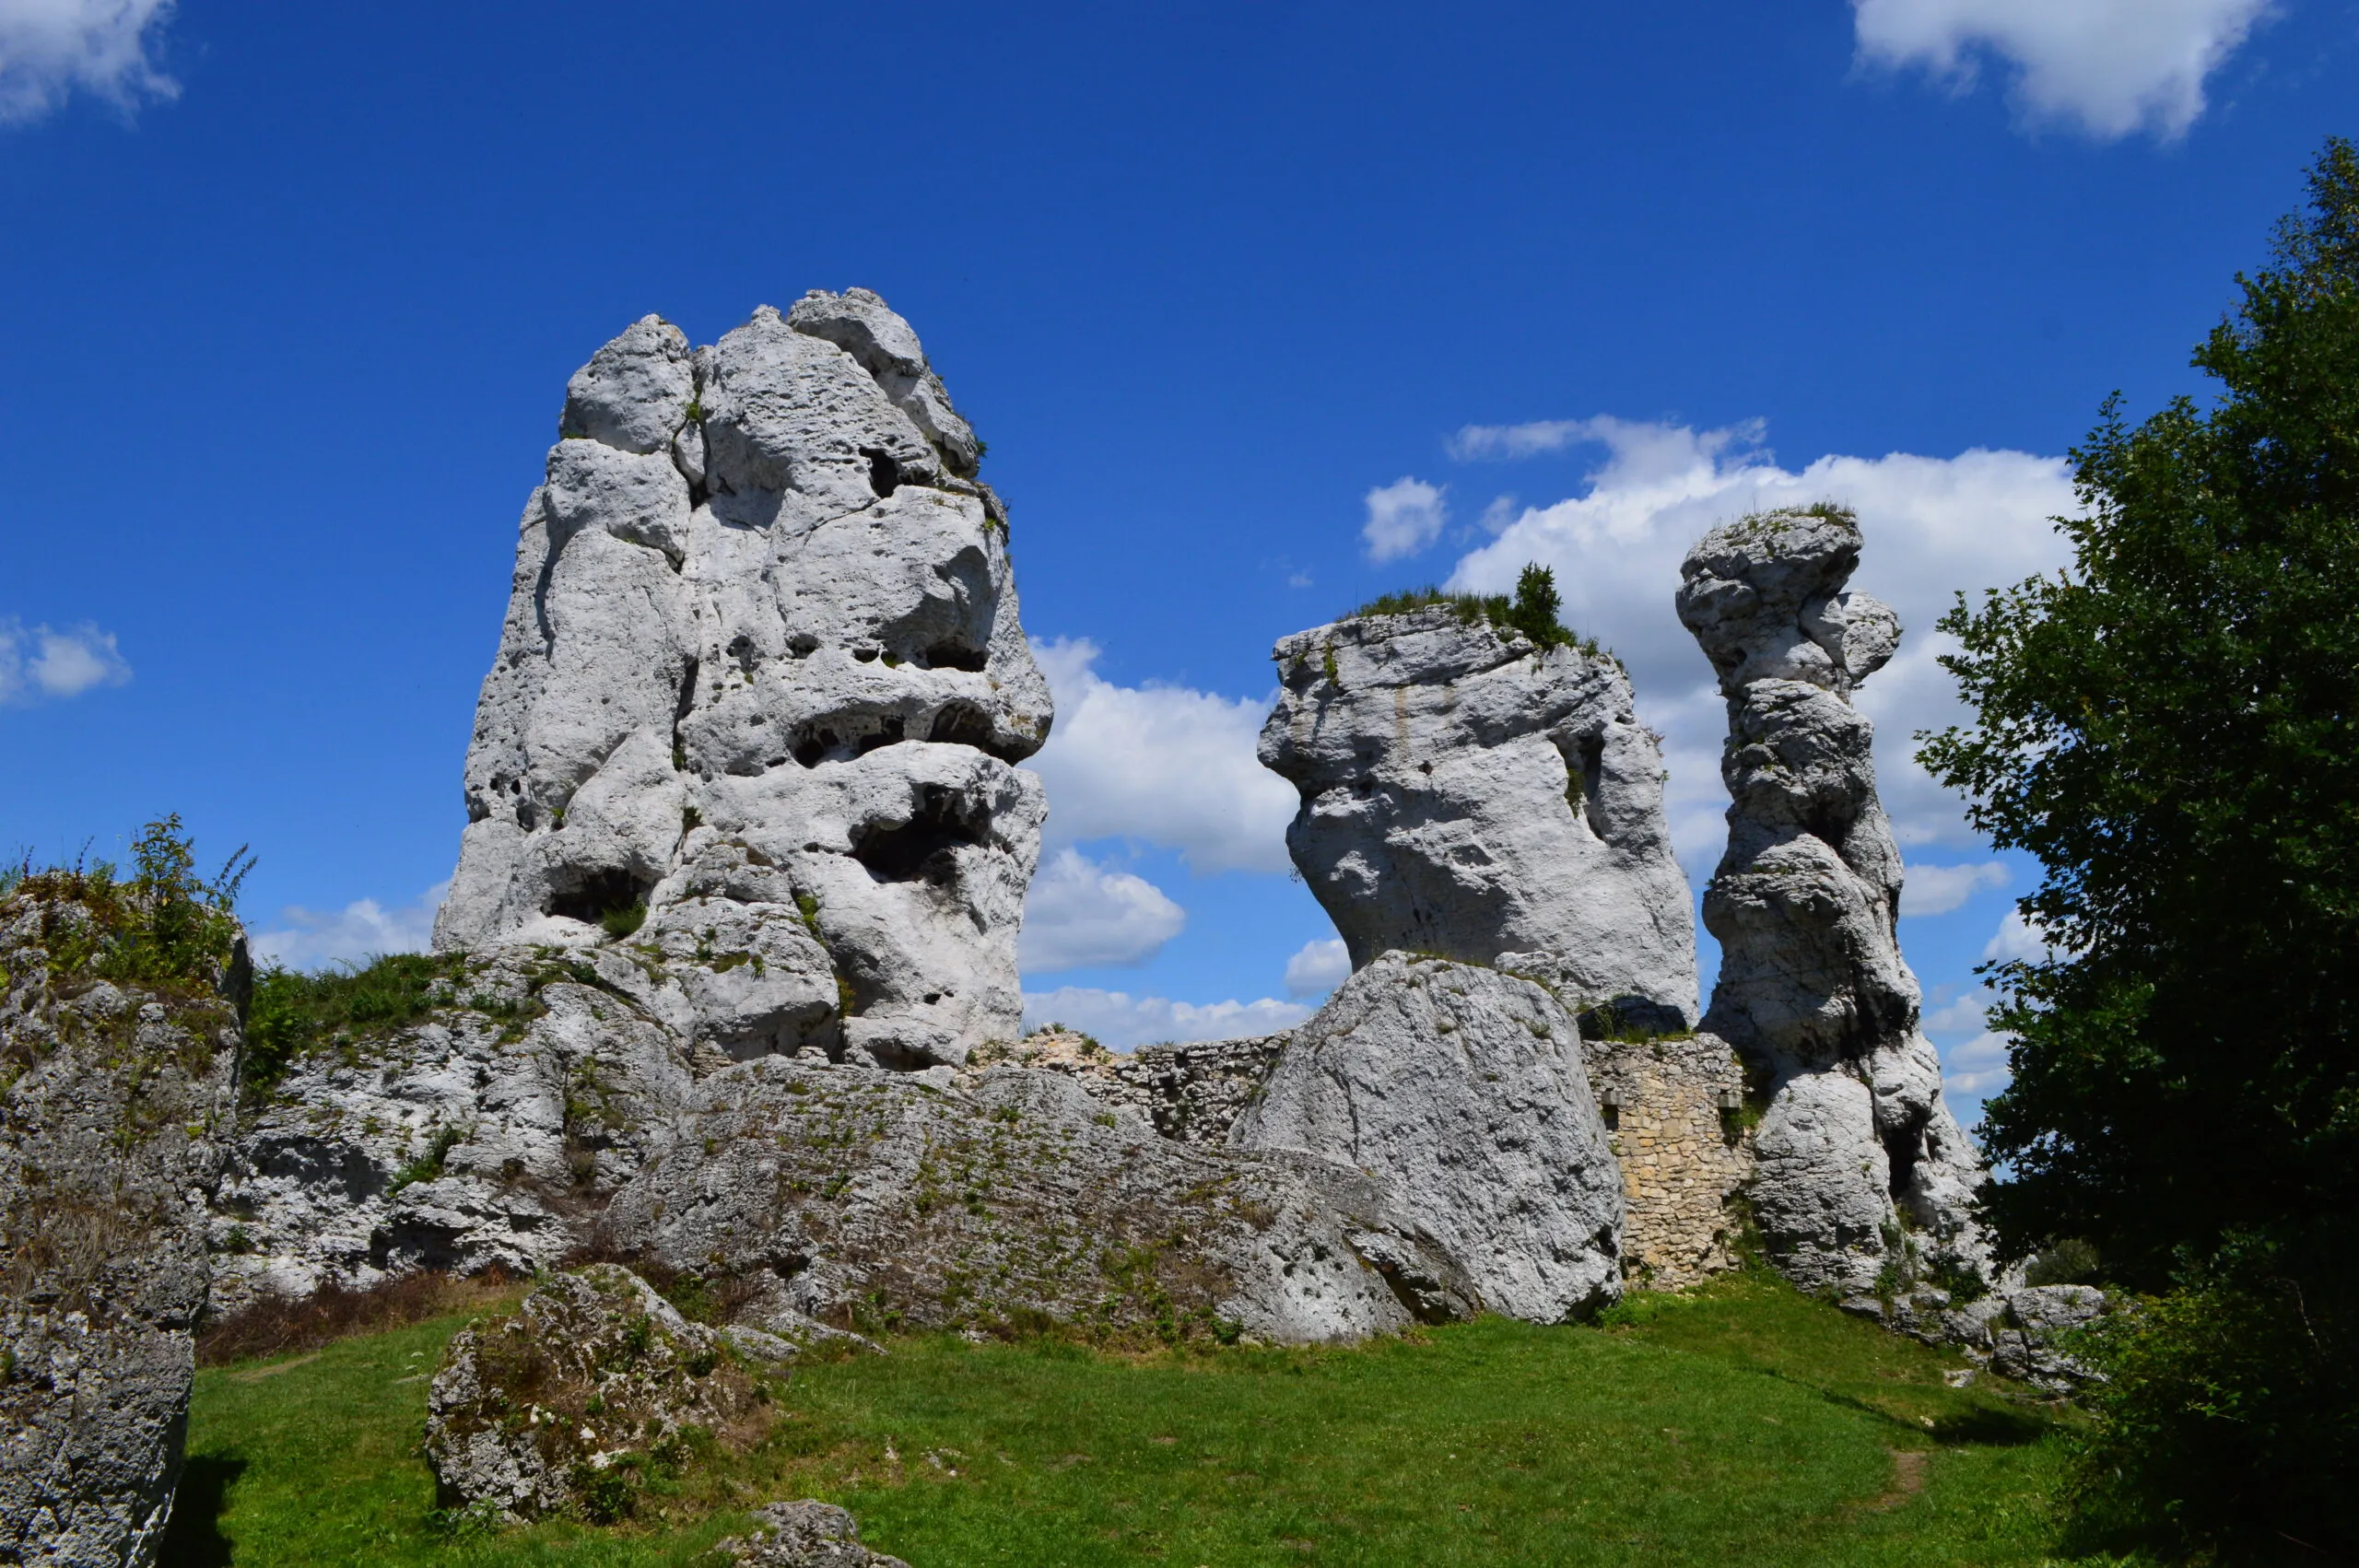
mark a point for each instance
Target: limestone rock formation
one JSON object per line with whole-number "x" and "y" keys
{"x": 116, "y": 1099}
{"x": 1193, "y": 1092}
{"x": 1468, "y": 794}
{"x": 1862, "y": 1166}
{"x": 870, "y": 1199}
{"x": 487, "y": 1135}
{"x": 759, "y": 697}
{"x": 1462, "y": 1090}
{"x": 804, "y": 1534}
{"x": 595, "y": 1375}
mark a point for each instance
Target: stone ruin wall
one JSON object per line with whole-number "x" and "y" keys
{"x": 1663, "y": 1100}
{"x": 1669, "y": 1104}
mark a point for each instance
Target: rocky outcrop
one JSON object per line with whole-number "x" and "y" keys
{"x": 759, "y": 696}
{"x": 804, "y": 1534}
{"x": 1191, "y": 1092}
{"x": 594, "y": 1379}
{"x": 1865, "y": 1177}
{"x": 1463, "y": 1092}
{"x": 874, "y": 1201}
{"x": 1469, "y": 794}
{"x": 488, "y": 1135}
{"x": 116, "y": 1099}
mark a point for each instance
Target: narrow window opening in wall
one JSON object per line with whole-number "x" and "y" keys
{"x": 883, "y": 473}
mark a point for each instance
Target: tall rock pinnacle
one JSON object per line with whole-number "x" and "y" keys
{"x": 759, "y": 697}
{"x": 1860, "y": 1164}
{"x": 1467, "y": 794}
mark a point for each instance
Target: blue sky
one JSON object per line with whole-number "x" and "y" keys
{"x": 1263, "y": 309}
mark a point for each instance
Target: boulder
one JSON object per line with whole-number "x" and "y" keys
{"x": 117, "y": 1097}
{"x": 593, "y": 1381}
{"x": 1469, "y": 794}
{"x": 485, "y": 1136}
{"x": 876, "y": 1202}
{"x": 759, "y": 696}
{"x": 804, "y": 1534}
{"x": 1463, "y": 1092}
{"x": 1192, "y": 1092}
{"x": 1865, "y": 1177}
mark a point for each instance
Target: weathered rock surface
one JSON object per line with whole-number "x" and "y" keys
{"x": 117, "y": 1100}
{"x": 595, "y": 1376}
{"x": 1462, "y": 1090}
{"x": 488, "y": 1135}
{"x": 804, "y": 1534}
{"x": 2019, "y": 1332}
{"x": 762, "y": 677}
{"x": 1468, "y": 794}
{"x": 1856, "y": 1148}
{"x": 1191, "y": 1092}
{"x": 870, "y": 1199}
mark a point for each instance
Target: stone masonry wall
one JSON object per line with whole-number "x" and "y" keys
{"x": 1663, "y": 1100}
{"x": 1191, "y": 1092}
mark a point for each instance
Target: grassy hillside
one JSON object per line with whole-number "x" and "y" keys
{"x": 1738, "y": 1424}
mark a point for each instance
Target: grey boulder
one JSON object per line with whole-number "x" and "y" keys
{"x": 1463, "y": 1092}
{"x": 804, "y": 1534}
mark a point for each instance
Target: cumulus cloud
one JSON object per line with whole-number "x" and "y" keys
{"x": 1318, "y": 968}
{"x": 1977, "y": 1070}
{"x": 1402, "y": 519}
{"x": 1161, "y": 764}
{"x": 2016, "y": 939}
{"x": 1937, "y": 890}
{"x": 51, "y": 48}
{"x": 312, "y": 938}
{"x": 1969, "y": 1015}
{"x": 2111, "y": 67}
{"x": 1934, "y": 526}
{"x": 1080, "y": 912}
{"x": 1123, "y": 1021}
{"x": 43, "y": 662}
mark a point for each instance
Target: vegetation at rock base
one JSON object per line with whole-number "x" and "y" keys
{"x": 1532, "y": 610}
{"x": 2171, "y": 725}
{"x": 1738, "y": 1422}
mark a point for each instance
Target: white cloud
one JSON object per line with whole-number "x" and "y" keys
{"x": 2016, "y": 938}
{"x": 1123, "y": 1021}
{"x": 312, "y": 938}
{"x": 1933, "y": 525}
{"x": 1159, "y": 765}
{"x": 1403, "y": 518}
{"x": 1969, "y": 1014}
{"x": 1937, "y": 890}
{"x": 1975, "y": 1070}
{"x": 1318, "y": 968}
{"x": 2110, "y": 66}
{"x": 45, "y": 662}
{"x": 1079, "y": 912}
{"x": 49, "y": 48}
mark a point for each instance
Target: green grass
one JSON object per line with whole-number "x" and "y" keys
{"x": 1739, "y": 1423}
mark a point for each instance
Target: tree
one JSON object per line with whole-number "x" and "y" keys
{"x": 2171, "y": 726}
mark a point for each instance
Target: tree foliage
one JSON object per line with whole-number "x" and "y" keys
{"x": 2171, "y": 726}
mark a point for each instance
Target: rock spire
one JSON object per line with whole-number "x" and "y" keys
{"x": 759, "y": 696}
{"x": 1469, "y": 794}
{"x": 1862, "y": 1166}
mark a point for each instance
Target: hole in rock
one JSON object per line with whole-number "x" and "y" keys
{"x": 1902, "y": 1147}
{"x": 594, "y": 896}
{"x": 925, "y": 848}
{"x": 883, "y": 473}
{"x": 816, "y": 743}
{"x": 955, "y": 656}
{"x": 961, "y": 724}
{"x": 865, "y": 655}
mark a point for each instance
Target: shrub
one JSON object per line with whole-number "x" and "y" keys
{"x": 293, "y": 1013}
{"x": 2228, "y": 1423}
{"x": 164, "y": 927}
{"x": 2066, "y": 1262}
{"x": 1533, "y": 611}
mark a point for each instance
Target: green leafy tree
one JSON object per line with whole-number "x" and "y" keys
{"x": 2171, "y": 726}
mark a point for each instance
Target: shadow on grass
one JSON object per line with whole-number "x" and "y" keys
{"x": 194, "y": 1537}
{"x": 1995, "y": 1426}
